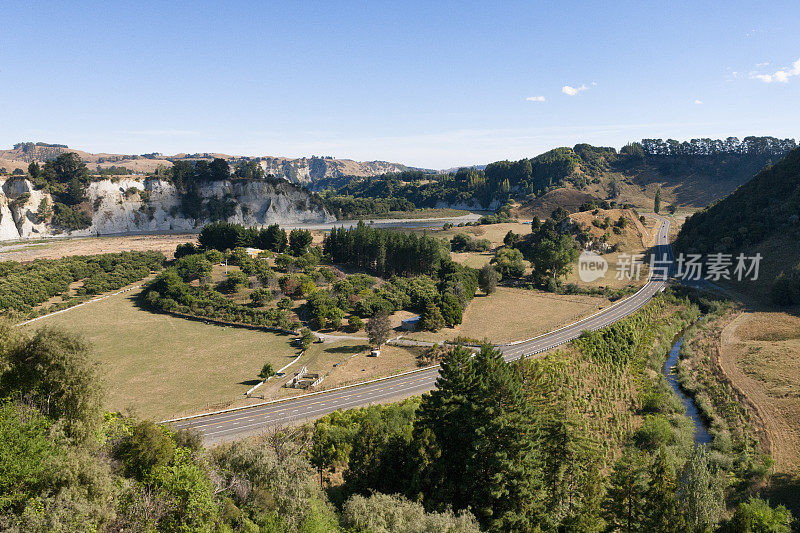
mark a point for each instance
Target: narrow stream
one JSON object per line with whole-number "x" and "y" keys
{"x": 701, "y": 435}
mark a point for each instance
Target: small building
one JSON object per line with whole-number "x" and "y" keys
{"x": 410, "y": 324}
{"x": 253, "y": 252}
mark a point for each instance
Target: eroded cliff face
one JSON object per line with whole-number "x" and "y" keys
{"x": 136, "y": 206}
{"x": 308, "y": 171}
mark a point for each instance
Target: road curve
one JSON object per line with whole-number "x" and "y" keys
{"x": 236, "y": 423}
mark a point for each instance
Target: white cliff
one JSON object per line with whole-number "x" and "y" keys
{"x": 140, "y": 206}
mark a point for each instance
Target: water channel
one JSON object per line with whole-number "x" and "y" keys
{"x": 701, "y": 435}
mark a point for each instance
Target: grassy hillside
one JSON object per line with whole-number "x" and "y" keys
{"x": 689, "y": 174}
{"x": 760, "y": 216}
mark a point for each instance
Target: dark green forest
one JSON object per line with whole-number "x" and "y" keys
{"x": 766, "y": 207}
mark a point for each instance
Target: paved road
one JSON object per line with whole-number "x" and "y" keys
{"x": 236, "y": 423}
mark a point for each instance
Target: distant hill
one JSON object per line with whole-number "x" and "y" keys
{"x": 689, "y": 174}
{"x": 305, "y": 171}
{"x": 761, "y": 216}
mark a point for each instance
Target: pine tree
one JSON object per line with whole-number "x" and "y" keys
{"x": 443, "y": 429}
{"x": 431, "y": 318}
{"x": 663, "y": 513}
{"x": 506, "y": 468}
{"x": 625, "y": 504}
{"x": 480, "y": 443}
{"x": 569, "y": 456}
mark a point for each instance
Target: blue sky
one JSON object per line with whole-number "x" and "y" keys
{"x": 433, "y": 84}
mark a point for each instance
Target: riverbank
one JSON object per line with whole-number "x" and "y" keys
{"x": 670, "y": 372}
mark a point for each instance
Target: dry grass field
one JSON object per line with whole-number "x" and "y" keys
{"x": 158, "y": 366}
{"x": 161, "y": 366}
{"x": 472, "y": 259}
{"x": 566, "y": 197}
{"x": 352, "y": 364}
{"x": 57, "y": 248}
{"x": 760, "y": 352}
{"x": 493, "y": 232}
{"x": 516, "y": 314}
{"x": 636, "y": 238}
{"x": 342, "y": 362}
{"x": 616, "y": 264}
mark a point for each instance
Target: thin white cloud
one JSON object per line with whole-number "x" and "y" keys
{"x": 780, "y": 76}
{"x": 573, "y": 91}
{"x": 762, "y": 65}
{"x": 698, "y": 102}
{"x": 536, "y": 99}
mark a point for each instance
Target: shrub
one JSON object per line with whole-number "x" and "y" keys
{"x": 185, "y": 249}
{"x": 266, "y": 371}
{"x": 383, "y": 513}
{"x": 148, "y": 447}
{"x": 355, "y": 323}
{"x": 215, "y": 256}
{"x": 655, "y": 431}
{"x": 756, "y": 516}
{"x": 192, "y": 267}
{"x": 306, "y": 338}
{"x": 70, "y": 218}
{"x": 261, "y": 297}
{"x": 233, "y": 281}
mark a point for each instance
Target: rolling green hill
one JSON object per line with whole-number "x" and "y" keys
{"x": 689, "y": 174}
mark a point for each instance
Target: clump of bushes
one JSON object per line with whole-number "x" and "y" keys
{"x": 23, "y": 287}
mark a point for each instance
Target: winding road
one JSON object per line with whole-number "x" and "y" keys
{"x": 235, "y": 423}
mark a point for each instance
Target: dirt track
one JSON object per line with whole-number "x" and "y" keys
{"x": 783, "y": 437}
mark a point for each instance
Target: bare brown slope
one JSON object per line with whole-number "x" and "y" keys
{"x": 568, "y": 198}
